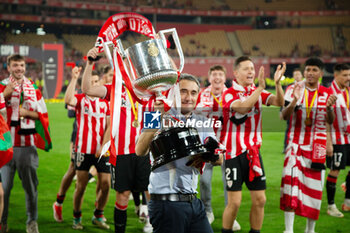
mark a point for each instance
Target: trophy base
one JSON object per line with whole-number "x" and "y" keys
{"x": 156, "y": 82}
{"x": 175, "y": 143}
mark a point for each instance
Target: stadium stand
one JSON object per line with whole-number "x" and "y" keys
{"x": 324, "y": 20}
{"x": 273, "y": 5}
{"x": 31, "y": 39}
{"x": 266, "y": 5}
{"x": 346, "y": 34}
{"x": 285, "y": 42}
{"x": 82, "y": 43}
{"x": 282, "y": 42}
{"x": 212, "y": 43}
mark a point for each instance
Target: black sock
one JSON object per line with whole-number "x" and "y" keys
{"x": 136, "y": 196}
{"x": 226, "y": 230}
{"x": 347, "y": 185}
{"x": 98, "y": 213}
{"x": 254, "y": 231}
{"x": 119, "y": 220}
{"x": 60, "y": 198}
{"x": 77, "y": 214}
{"x": 144, "y": 199}
{"x": 331, "y": 187}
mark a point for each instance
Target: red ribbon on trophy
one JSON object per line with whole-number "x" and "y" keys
{"x": 113, "y": 28}
{"x": 145, "y": 68}
{"x": 118, "y": 23}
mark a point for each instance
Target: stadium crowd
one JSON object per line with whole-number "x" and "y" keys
{"x": 310, "y": 108}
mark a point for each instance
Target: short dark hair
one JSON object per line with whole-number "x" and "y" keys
{"x": 95, "y": 72}
{"x": 14, "y": 57}
{"x": 340, "y": 67}
{"x": 217, "y": 67}
{"x": 240, "y": 60}
{"x": 314, "y": 61}
{"x": 189, "y": 77}
{"x": 297, "y": 69}
{"x": 106, "y": 69}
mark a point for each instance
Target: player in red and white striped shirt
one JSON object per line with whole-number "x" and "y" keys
{"x": 242, "y": 124}
{"x": 297, "y": 76}
{"x": 340, "y": 134}
{"x": 209, "y": 104}
{"x": 309, "y": 108}
{"x": 91, "y": 127}
{"x": 92, "y": 115}
{"x": 129, "y": 172}
{"x": 209, "y": 101}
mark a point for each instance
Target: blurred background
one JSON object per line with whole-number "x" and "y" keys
{"x": 211, "y": 32}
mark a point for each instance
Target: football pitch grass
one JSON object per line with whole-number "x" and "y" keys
{"x": 53, "y": 165}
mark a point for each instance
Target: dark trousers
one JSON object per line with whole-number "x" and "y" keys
{"x": 25, "y": 160}
{"x": 178, "y": 217}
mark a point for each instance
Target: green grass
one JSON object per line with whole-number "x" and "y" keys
{"x": 54, "y": 164}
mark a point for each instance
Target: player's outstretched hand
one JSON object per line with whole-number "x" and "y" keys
{"x": 93, "y": 54}
{"x": 261, "y": 77}
{"x": 331, "y": 100}
{"x": 297, "y": 91}
{"x": 279, "y": 72}
{"x": 76, "y": 72}
{"x": 10, "y": 87}
{"x": 196, "y": 161}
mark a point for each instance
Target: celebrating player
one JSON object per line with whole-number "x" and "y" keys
{"x": 92, "y": 116}
{"x": 209, "y": 104}
{"x": 25, "y": 105}
{"x": 129, "y": 172}
{"x": 243, "y": 105}
{"x": 309, "y": 108}
{"x": 340, "y": 134}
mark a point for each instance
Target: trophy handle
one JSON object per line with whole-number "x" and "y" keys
{"x": 121, "y": 48}
{"x": 177, "y": 43}
{"x": 108, "y": 52}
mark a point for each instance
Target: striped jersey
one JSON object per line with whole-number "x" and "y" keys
{"x": 299, "y": 132}
{"x": 91, "y": 117}
{"x": 238, "y": 138}
{"x": 301, "y": 186}
{"x": 127, "y": 135}
{"x": 289, "y": 90}
{"x": 210, "y": 107}
{"x": 341, "y": 124}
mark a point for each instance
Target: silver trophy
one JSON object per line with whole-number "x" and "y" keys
{"x": 151, "y": 69}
